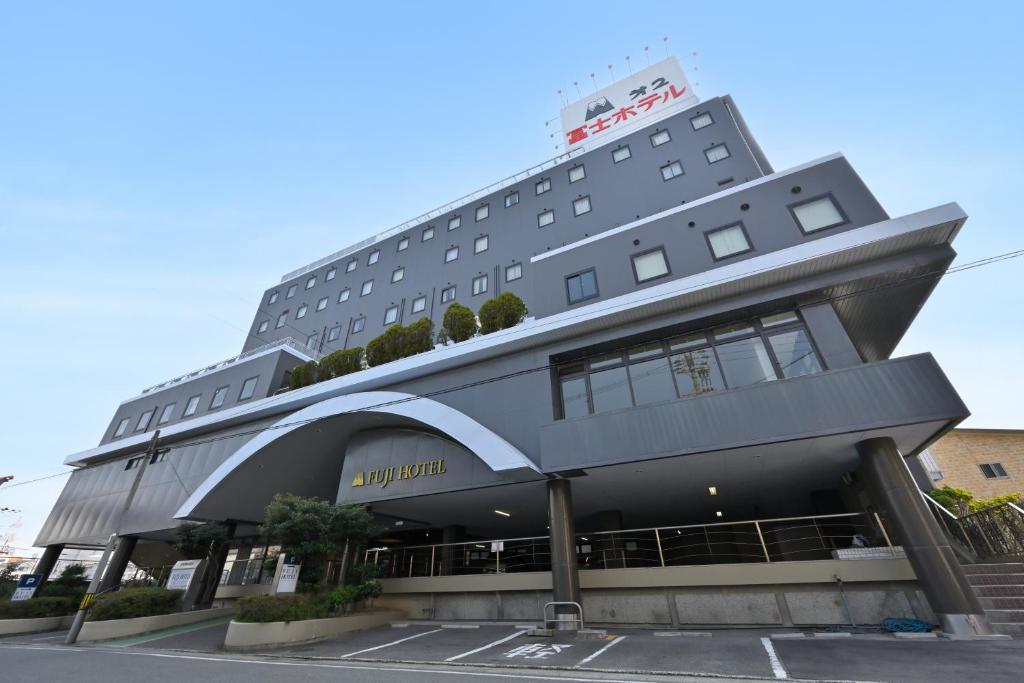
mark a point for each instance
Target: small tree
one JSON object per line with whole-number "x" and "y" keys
{"x": 956, "y": 500}
{"x": 459, "y": 323}
{"x": 399, "y": 342}
{"x": 418, "y": 337}
{"x": 303, "y": 375}
{"x": 503, "y": 311}
{"x": 339, "y": 363}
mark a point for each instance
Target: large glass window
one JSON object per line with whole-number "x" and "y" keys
{"x": 794, "y": 352}
{"x": 745, "y": 362}
{"x": 574, "y": 397}
{"x": 581, "y": 286}
{"x": 652, "y": 381}
{"x": 610, "y": 389}
{"x": 697, "y": 372}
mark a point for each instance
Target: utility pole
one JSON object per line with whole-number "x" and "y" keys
{"x": 97, "y": 576}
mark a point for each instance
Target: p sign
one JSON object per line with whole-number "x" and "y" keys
{"x": 27, "y": 585}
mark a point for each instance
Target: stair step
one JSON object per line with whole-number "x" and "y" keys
{"x": 1006, "y": 616}
{"x": 1013, "y": 629}
{"x": 1010, "y": 603}
{"x": 995, "y": 568}
{"x": 996, "y": 579}
{"x": 999, "y": 591}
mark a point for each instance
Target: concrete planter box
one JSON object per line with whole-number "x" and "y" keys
{"x": 9, "y": 627}
{"x": 244, "y": 635}
{"x": 122, "y": 628}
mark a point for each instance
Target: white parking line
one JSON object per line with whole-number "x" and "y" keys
{"x": 488, "y": 645}
{"x": 599, "y": 652}
{"x": 773, "y": 659}
{"x": 394, "y": 642}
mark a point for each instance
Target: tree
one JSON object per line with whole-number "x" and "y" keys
{"x": 459, "y": 323}
{"x": 956, "y": 500}
{"x": 503, "y": 311}
{"x": 399, "y": 342}
{"x": 339, "y": 363}
{"x": 303, "y": 375}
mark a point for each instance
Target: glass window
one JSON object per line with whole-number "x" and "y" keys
{"x": 165, "y": 414}
{"x": 391, "y": 315}
{"x": 311, "y": 282}
{"x": 273, "y": 298}
{"x": 263, "y": 327}
{"x": 192, "y": 405}
{"x": 134, "y": 462}
{"x": 301, "y": 312}
{"x": 650, "y": 265}
{"x": 122, "y": 426}
{"x": 419, "y": 304}
{"x": 645, "y": 351}
{"x": 331, "y": 273}
{"x": 688, "y": 341}
{"x": 610, "y": 390}
{"x": 248, "y": 388}
{"x": 358, "y": 324}
{"x": 794, "y": 352}
{"x": 577, "y": 173}
{"x": 448, "y": 294}
{"x": 716, "y": 153}
{"x": 482, "y": 212}
{"x": 428, "y": 234}
{"x": 728, "y": 241}
{"x": 574, "y": 397}
{"x": 672, "y": 170}
{"x": 545, "y": 218}
{"x": 511, "y": 199}
{"x": 581, "y": 205}
{"x": 701, "y": 121}
{"x": 218, "y": 397}
{"x": 398, "y": 274}
{"x": 993, "y": 470}
{"x": 351, "y": 265}
{"x": 311, "y": 340}
{"x": 454, "y": 222}
{"x": 334, "y": 333}
{"x": 697, "y": 372}
{"x": 373, "y": 257}
{"x": 745, "y": 362}
{"x": 403, "y": 244}
{"x": 367, "y": 288}
{"x": 543, "y": 185}
{"x": 291, "y": 292}
{"x": 660, "y": 138}
{"x": 621, "y": 154}
{"x": 779, "y": 319}
{"x": 451, "y": 254}
{"x": 479, "y": 284}
{"x": 817, "y": 214}
{"x": 513, "y": 272}
{"x": 606, "y": 360}
{"x": 732, "y": 331}
{"x": 652, "y": 381}
{"x": 582, "y": 286}
{"x": 480, "y": 244}
{"x": 343, "y": 295}
{"x": 281, "y": 320}
{"x": 322, "y": 304}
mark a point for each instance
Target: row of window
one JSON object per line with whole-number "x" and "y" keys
{"x": 220, "y": 394}
{"x": 737, "y": 355}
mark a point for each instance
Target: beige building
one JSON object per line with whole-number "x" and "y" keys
{"x": 986, "y": 462}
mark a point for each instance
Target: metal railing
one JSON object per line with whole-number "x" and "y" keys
{"x": 994, "y": 532}
{"x": 761, "y": 541}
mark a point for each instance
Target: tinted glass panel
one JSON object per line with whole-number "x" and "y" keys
{"x": 745, "y": 362}
{"x": 610, "y": 390}
{"x": 652, "y": 381}
{"x": 574, "y": 397}
{"x": 794, "y": 353}
{"x": 697, "y": 372}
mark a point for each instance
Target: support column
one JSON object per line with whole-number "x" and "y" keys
{"x": 46, "y": 563}
{"x": 565, "y": 578}
{"x": 450, "y": 534}
{"x": 118, "y": 563}
{"x": 938, "y": 571}
{"x": 240, "y": 565}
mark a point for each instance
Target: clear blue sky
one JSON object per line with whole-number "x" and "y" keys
{"x": 161, "y": 164}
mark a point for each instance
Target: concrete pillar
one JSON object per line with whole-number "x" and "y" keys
{"x": 938, "y": 571}
{"x": 609, "y": 553}
{"x": 565, "y": 579}
{"x": 47, "y": 562}
{"x": 118, "y": 562}
{"x": 450, "y": 554}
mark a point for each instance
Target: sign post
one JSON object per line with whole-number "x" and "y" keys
{"x": 287, "y": 577}
{"x": 27, "y": 585}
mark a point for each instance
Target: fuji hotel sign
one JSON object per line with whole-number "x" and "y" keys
{"x": 385, "y": 475}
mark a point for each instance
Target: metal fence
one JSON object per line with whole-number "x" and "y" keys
{"x": 995, "y": 532}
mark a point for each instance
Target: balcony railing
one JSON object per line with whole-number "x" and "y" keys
{"x": 769, "y": 540}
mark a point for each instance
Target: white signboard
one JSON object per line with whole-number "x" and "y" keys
{"x": 289, "y": 578}
{"x": 181, "y": 574}
{"x": 639, "y": 99}
{"x": 27, "y": 585}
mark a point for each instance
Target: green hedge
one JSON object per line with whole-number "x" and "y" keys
{"x": 503, "y": 311}
{"x": 401, "y": 342}
{"x": 340, "y": 363}
{"x": 36, "y": 608}
{"x": 459, "y": 323}
{"x": 303, "y": 375}
{"x": 299, "y": 607}
{"x": 130, "y": 603}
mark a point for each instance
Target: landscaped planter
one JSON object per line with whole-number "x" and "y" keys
{"x": 10, "y": 627}
{"x": 121, "y": 628}
{"x": 250, "y": 635}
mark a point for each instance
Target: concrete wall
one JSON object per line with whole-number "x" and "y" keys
{"x": 122, "y": 628}
{"x": 245, "y": 636}
{"x": 960, "y": 452}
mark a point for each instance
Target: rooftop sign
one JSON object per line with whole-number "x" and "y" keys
{"x": 646, "y": 96}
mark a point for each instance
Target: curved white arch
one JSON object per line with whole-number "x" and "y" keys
{"x": 497, "y": 453}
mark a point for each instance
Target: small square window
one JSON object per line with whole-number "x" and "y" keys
{"x": 542, "y": 186}
{"x": 134, "y": 462}
{"x": 281, "y": 320}
{"x": 728, "y": 241}
{"x": 165, "y": 414}
{"x": 480, "y": 244}
{"x": 577, "y": 173}
{"x": 397, "y": 275}
{"x": 219, "y": 395}
{"x": 373, "y": 257}
{"x": 454, "y": 222}
{"x": 301, "y": 312}
{"x": 122, "y": 426}
{"x": 581, "y": 205}
{"x": 513, "y": 272}
{"x": 545, "y": 218}
{"x": 367, "y": 288}
{"x": 660, "y": 138}
{"x": 358, "y": 325}
{"x": 291, "y": 292}
{"x": 263, "y": 327}
{"x": 820, "y": 213}
{"x": 273, "y": 298}
{"x": 650, "y": 265}
{"x": 672, "y": 170}
{"x": 249, "y": 385}
{"x": 419, "y": 304}
{"x": 451, "y": 254}
{"x": 311, "y": 282}
{"x": 403, "y": 244}
{"x": 343, "y": 295}
{"x": 716, "y": 153}
{"x": 448, "y": 294}
{"x": 621, "y": 154}
{"x": 192, "y": 405}
{"x": 428, "y": 234}
{"x": 311, "y": 340}
{"x": 390, "y": 315}
{"x": 334, "y": 333}
{"x": 482, "y": 212}
{"x": 581, "y": 286}
{"x": 701, "y": 121}
{"x": 992, "y": 470}
{"x": 331, "y": 273}
{"x": 351, "y": 265}
{"x": 479, "y": 284}
{"x": 511, "y": 199}
{"x": 322, "y": 304}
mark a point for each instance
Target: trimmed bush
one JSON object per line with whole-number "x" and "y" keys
{"x": 418, "y": 337}
{"x": 459, "y": 323}
{"x": 304, "y": 375}
{"x": 266, "y": 608}
{"x": 340, "y": 363}
{"x": 504, "y": 311}
{"x": 37, "y": 608}
{"x": 130, "y": 603}
{"x": 399, "y": 342}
